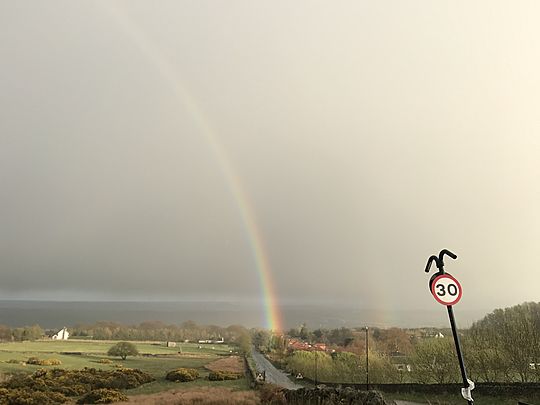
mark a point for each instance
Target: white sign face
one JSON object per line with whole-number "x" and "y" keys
{"x": 446, "y": 290}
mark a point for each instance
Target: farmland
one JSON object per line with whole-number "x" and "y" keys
{"x": 155, "y": 358}
{"x": 101, "y": 347}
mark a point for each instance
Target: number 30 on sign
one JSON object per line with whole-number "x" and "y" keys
{"x": 446, "y": 289}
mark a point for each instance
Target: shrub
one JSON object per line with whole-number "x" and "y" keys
{"x": 14, "y": 361}
{"x": 182, "y": 375}
{"x": 50, "y": 362}
{"x": 22, "y": 396}
{"x": 102, "y": 396}
{"x": 43, "y": 362}
{"x": 77, "y": 382}
{"x": 54, "y": 386}
{"x": 74, "y": 390}
{"x": 126, "y": 378}
{"x": 105, "y": 361}
{"x": 33, "y": 360}
{"x": 223, "y": 375}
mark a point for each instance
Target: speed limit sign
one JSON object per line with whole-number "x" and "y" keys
{"x": 446, "y": 289}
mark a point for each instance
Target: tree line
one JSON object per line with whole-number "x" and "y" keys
{"x": 19, "y": 334}
{"x": 144, "y": 331}
{"x": 504, "y": 346}
{"x": 156, "y": 331}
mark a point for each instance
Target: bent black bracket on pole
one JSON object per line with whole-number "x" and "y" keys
{"x": 447, "y": 253}
{"x": 439, "y": 261}
{"x": 430, "y": 262}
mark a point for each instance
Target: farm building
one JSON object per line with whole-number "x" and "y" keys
{"x": 213, "y": 340}
{"x": 62, "y": 334}
{"x": 322, "y": 347}
{"x": 297, "y": 344}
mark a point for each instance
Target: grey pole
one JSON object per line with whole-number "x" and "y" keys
{"x": 316, "y": 367}
{"x": 367, "y": 359}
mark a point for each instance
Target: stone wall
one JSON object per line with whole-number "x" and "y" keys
{"x": 333, "y": 395}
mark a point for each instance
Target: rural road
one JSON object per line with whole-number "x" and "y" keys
{"x": 273, "y": 375}
{"x": 278, "y": 377}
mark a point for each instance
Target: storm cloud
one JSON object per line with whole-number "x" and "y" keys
{"x": 366, "y": 136}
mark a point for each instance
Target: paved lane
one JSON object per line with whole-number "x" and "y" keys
{"x": 273, "y": 375}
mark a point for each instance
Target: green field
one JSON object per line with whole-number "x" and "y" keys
{"x": 101, "y": 347}
{"x": 189, "y": 355}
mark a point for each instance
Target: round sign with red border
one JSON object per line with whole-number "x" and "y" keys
{"x": 446, "y": 290}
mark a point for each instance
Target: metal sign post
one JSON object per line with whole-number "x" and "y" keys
{"x": 447, "y": 291}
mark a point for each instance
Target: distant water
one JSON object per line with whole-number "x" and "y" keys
{"x": 56, "y": 314}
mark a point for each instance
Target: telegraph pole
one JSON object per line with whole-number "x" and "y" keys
{"x": 316, "y": 367}
{"x": 367, "y": 359}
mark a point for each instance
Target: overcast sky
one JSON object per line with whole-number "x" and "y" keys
{"x": 367, "y": 135}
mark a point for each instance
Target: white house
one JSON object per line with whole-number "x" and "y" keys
{"x": 62, "y": 334}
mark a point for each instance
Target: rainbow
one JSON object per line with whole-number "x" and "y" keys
{"x": 247, "y": 215}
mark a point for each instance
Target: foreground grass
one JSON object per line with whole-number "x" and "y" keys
{"x": 457, "y": 399}
{"x": 199, "y": 396}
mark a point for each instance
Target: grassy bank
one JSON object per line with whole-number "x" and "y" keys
{"x": 457, "y": 399}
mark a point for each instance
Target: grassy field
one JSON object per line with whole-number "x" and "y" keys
{"x": 101, "y": 347}
{"x": 189, "y": 355}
